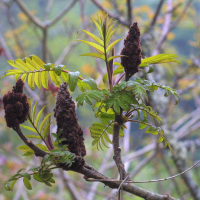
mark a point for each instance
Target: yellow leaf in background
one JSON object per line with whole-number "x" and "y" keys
{"x": 170, "y": 36}
{"x": 107, "y": 4}
{"x": 10, "y": 34}
{"x": 23, "y": 17}
{"x": 183, "y": 83}
{"x": 16, "y": 50}
{"x": 87, "y": 69}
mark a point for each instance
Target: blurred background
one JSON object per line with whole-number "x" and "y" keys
{"x": 48, "y": 29}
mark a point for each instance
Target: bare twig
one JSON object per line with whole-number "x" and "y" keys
{"x": 153, "y": 22}
{"x": 175, "y": 23}
{"x": 170, "y": 173}
{"x": 34, "y": 19}
{"x": 110, "y": 14}
{"x": 165, "y": 29}
{"x": 47, "y": 9}
{"x": 61, "y": 14}
{"x": 127, "y": 176}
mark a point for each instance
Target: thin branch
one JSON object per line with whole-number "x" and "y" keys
{"x": 61, "y": 14}
{"x": 149, "y": 181}
{"x": 65, "y": 52}
{"x": 166, "y": 29}
{"x": 127, "y": 176}
{"x": 47, "y": 9}
{"x": 175, "y": 23}
{"x": 134, "y": 155}
{"x": 153, "y": 22}
{"x": 34, "y": 19}
{"x": 128, "y": 187}
{"x": 170, "y": 173}
{"x": 110, "y": 14}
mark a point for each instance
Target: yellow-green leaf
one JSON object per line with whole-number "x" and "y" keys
{"x": 45, "y": 78}
{"x": 31, "y": 81}
{"x": 38, "y": 116}
{"x": 98, "y": 27}
{"x": 29, "y": 128}
{"x": 33, "y": 136}
{"x": 24, "y": 148}
{"x": 112, "y": 45}
{"x": 97, "y": 55}
{"x": 55, "y": 78}
{"x": 160, "y": 58}
{"x": 23, "y": 77}
{"x": 12, "y": 63}
{"x": 41, "y": 146}
{"x": 112, "y": 57}
{"x": 94, "y": 37}
{"x": 34, "y": 110}
{"x": 33, "y": 65}
{"x": 96, "y": 46}
{"x": 44, "y": 121}
{"x": 46, "y": 129}
{"x": 38, "y": 80}
{"x": 38, "y": 61}
{"x": 65, "y": 76}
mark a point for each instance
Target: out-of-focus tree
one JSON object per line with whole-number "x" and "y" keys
{"x": 49, "y": 30}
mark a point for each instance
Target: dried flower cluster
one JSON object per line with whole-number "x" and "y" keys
{"x": 16, "y": 105}
{"x": 67, "y": 123}
{"x": 132, "y": 51}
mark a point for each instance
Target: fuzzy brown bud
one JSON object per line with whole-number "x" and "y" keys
{"x": 16, "y": 105}
{"x": 67, "y": 123}
{"x": 132, "y": 51}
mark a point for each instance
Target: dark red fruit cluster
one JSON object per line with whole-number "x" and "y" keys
{"x": 68, "y": 126}
{"x": 132, "y": 51}
{"x": 16, "y": 105}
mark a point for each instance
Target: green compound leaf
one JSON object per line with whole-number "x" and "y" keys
{"x": 89, "y": 96}
{"x": 100, "y": 135}
{"x": 91, "y": 83}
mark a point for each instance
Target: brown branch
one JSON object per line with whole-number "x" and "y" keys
{"x": 34, "y": 19}
{"x": 110, "y": 14}
{"x": 113, "y": 183}
{"x": 175, "y": 23}
{"x": 11, "y": 21}
{"x": 47, "y": 9}
{"x": 153, "y": 22}
{"x": 129, "y": 11}
{"x": 61, "y": 14}
{"x": 117, "y": 149}
{"x": 37, "y": 151}
{"x": 170, "y": 173}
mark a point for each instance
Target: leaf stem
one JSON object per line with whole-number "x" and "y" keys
{"x": 49, "y": 148}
